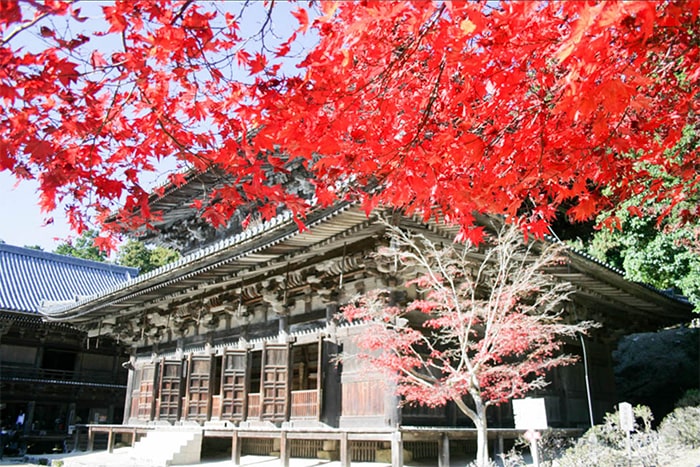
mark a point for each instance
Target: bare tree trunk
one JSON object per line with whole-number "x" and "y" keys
{"x": 482, "y": 444}
{"x": 478, "y": 417}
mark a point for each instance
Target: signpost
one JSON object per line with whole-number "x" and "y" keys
{"x": 530, "y": 414}
{"x": 627, "y": 424}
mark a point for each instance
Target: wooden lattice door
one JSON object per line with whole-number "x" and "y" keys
{"x": 170, "y": 390}
{"x": 234, "y": 381}
{"x": 275, "y": 391}
{"x": 198, "y": 384}
{"x": 145, "y": 396}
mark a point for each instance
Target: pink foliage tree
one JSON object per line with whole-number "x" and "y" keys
{"x": 486, "y": 326}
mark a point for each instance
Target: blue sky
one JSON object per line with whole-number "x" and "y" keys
{"x": 23, "y": 224}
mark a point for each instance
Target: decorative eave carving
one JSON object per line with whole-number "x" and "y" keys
{"x": 182, "y": 226}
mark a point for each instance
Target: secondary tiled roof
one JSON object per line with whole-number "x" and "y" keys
{"x": 30, "y": 277}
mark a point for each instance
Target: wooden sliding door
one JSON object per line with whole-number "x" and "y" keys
{"x": 275, "y": 390}
{"x": 234, "y": 384}
{"x": 170, "y": 394}
{"x": 198, "y": 388}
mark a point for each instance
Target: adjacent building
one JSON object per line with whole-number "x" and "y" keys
{"x": 52, "y": 375}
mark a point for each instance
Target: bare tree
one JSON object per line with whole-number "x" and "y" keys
{"x": 486, "y": 326}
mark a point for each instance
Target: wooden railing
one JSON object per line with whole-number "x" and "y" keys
{"x": 305, "y": 404}
{"x": 254, "y": 405}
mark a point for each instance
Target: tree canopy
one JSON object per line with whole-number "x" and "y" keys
{"x": 82, "y": 247}
{"x": 519, "y": 108}
{"x": 138, "y": 255}
{"x": 132, "y": 253}
{"x": 662, "y": 249}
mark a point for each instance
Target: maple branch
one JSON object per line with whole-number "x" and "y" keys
{"x": 406, "y": 51}
{"x": 466, "y": 410}
{"x": 27, "y": 25}
{"x": 106, "y": 118}
{"x": 268, "y": 20}
{"x": 181, "y": 12}
{"x": 428, "y": 108}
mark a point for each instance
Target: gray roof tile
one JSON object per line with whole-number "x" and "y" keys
{"x": 30, "y": 277}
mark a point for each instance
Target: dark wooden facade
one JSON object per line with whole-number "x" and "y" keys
{"x": 48, "y": 373}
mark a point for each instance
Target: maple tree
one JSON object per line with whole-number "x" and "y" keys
{"x": 515, "y": 108}
{"x": 484, "y": 328}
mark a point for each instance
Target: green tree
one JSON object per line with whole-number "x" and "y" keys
{"x": 661, "y": 257}
{"x": 136, "y": 254}
{"x": 82, "y": 247}
{"x": 656, "y": 242}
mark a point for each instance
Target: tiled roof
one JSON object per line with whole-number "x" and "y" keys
{"x": 278, "y": 237}
{"x": 30, "y": 277}
{"x": 183, "y": 268}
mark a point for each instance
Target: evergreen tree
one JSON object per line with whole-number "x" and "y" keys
{"x": 136, "y": 254}
{"x": 82, "y": 247}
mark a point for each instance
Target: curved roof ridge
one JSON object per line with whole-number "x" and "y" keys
{"x": 604, "y": 264}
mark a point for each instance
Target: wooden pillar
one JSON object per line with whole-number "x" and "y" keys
{"x": 320, "y": 373}
{"x": 129, "y": 390}
{"x": 284, "y": 449}
{"x": 110, "y": 440}
{"x": 444, "y": 450}
{"x": 283, "y": 328}
{"x": 345, "y": 457}
{"x": 133, "y": 437}
{"x": 396, "y": 449}
{"x": 28, "y": 418}
{"x": 91, "y": 439}
{"x": 499, "y": 447}
{"x": 185, "y": 395}
{"x": 236, "y": 445}
{"x": 70, "y": 416}
{"x": 76, "y": 439}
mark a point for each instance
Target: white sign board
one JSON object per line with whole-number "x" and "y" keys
{"x": 530, "y": 414}
{"x": 626, "y": 417}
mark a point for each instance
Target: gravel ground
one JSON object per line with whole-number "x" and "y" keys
{"x": 690, "y": 458}
{"x": 687, "y": 459}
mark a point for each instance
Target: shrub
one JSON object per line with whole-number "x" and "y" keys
{"x": 550, "y": 447}
{"x": 681, "y": 428}
{"x": 606, "y": 445}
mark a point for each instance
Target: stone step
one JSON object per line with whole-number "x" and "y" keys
{"x": 163, "y": 448}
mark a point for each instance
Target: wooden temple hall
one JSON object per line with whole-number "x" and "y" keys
{"x": 235, "y": 343}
